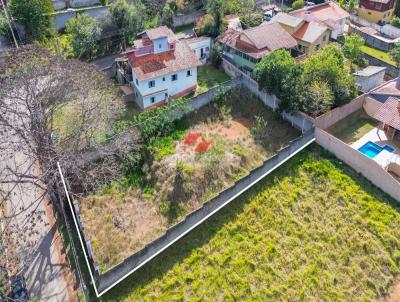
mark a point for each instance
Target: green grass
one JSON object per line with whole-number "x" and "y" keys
{"x": 379, "y": 54}
{"x": 208, "y": 77}
{"x": 312, "y": 231}
{"x": 180, "y": 30}
{"x": 353, "y": 127}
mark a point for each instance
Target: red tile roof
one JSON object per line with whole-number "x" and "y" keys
{"x": 264, "y": 39}
{"x": 156, "y": 65}
{"x": 328, "y": 13}
{"x": 389, "y": 113}
{"x": 310, "y": 32}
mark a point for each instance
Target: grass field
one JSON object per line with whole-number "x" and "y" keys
{"x": 353, "y": 127}
{"x": 208, "y": 76}
{"x": 379, "y": 54}
{"x": 312, "y": 231}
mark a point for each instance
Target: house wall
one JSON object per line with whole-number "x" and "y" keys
{"x": 340, "y": 30}
{"x": 160, "y": 45}
{"x": 375, "y": 16}
{"x": 312, "y": 47}
{"x": 161, "y": 87}
{"x": 197, "y": 46}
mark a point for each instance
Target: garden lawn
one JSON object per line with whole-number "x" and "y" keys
{"x": 353, "y": 127}
{"x": 312, "y": 231}
{"x": 208, "y": 77}
{"x": 379, "y": 54}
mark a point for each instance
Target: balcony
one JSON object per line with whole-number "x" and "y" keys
{"x": 142, "y": 51}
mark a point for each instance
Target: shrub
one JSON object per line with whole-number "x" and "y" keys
{"x": 298, "y": 4}
{"x": 206, "y": 26}
{"x": 216, "y": 55}
{"x": 395, "y": 22}
{"x": 104, "y": 2}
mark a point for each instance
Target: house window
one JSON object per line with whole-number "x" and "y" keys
{"x": 159, "y": 46}
{"x": 163, "y": 79}
{"x": 324, "y": 38}
{"x": 152, "y": 83}
{"x": 317, "y": 47}
{"x": 369, "y": 13}
{"x": 152, "y": 99}
{"x": 188, "y": 73}
{"x": 166, "y": 95}
{"x": 137, "y": 82}
{"x": 174, "y": 77}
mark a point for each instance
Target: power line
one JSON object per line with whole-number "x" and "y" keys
{"x": 9, "y": 23}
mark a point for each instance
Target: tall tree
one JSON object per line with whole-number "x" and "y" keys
{"x": 128, "y": 17}
{"x": 352, "y": 48}
{"x": 34, "y": 15}
{"x": 395, "y": 54}
{"x": 84, "y": 31}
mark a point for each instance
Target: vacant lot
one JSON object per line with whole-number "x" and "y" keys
{"x": 206, "y": 152}
{"x": 312, "y": 231}
{"x": 353, "y": 127}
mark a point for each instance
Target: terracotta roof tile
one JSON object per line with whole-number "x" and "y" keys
{"x": 310, "y": 32}
{"x": 155, "y": 65}
{"x": 389, "y": 113}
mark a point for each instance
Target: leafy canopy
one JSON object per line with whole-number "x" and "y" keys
{"x": 85, "y": 31}
{"x": 395, "y": 54}
{"x": 34, "y": 15}
{"x": 352, "y": 47}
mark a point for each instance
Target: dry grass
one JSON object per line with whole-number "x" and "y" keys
{"x": 178, "y": 181}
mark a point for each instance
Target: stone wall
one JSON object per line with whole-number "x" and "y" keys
{"x": 391, "y": 70}
{"x": 181, "y": 20}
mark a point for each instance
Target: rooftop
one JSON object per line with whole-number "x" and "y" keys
{"x": 328, "y": 13}
{"x": 369, "y": 71}
{"x": 389, "y": 113}
{"x": 386, "y": 90}
{"x": 156, "y": 65}
{"x": 287, "y": 19}
{"x": 159, "y": 32}
{"x": 310, "y": 31}
{"x": 258, "y": 41}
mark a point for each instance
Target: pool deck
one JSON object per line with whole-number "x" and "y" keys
{"x": 379, "y": 137}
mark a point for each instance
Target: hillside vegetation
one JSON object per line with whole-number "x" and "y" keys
{"x": 313, "y": 231}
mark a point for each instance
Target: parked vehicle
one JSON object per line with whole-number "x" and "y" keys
{"x": 18, "y": 289}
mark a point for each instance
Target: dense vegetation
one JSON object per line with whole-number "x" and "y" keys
{"x": 313, "y": 230}
{"x": 322, "y": 81}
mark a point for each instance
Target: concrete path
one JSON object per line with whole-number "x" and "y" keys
{"x": 34, "y": 233}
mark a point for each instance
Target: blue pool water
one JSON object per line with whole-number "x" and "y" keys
{"x": 371, "y": 149}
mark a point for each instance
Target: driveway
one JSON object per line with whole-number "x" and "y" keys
{"x": 34, "y": 233}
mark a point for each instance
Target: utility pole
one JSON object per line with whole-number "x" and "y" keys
{"x": 9, "y": 23}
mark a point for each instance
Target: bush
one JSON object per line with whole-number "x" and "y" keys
{"x": 298, "y": 4}
{"x": 206, "y": 26}
{"x": 216, "y": 55}
{"x": 395, "y": 22}
{"x": 104, "y": 2}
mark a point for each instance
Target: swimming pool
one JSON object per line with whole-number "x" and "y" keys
{"x": 371, "y": 149}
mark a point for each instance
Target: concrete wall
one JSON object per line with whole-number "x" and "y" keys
{"x": 371, "y": 105}
{"x": 372, "y": 40}
{"x": 332, "y": 117}
{"x": 387, "y": 29}
{"x": 188, "y": 18}
{"x": 198, "y": 216}
{"x": 391, "y": 70}
{"x": 61, "y": 18}
{"x": 299, "y": 120}
{"x": 359, "y": 162}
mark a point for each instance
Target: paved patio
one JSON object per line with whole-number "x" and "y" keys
{"x": 379, "y": 137}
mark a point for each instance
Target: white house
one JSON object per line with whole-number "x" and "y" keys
{"x": 163, "y": 67}
{"x": 201, "y": 47}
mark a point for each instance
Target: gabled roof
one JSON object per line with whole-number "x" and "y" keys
{"x": 389, "y": 113}
{"x": 156, "y": 65}
{"x": 310, "y": 31}
{"x": 260, "y": 41}
{"x": 287, "y": 19}
{"x": 159, "y": 32}
{"x": 328, "y": 13}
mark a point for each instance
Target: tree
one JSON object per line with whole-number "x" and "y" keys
{"x": 298, "y": 4}
{"x": 206, "y": 26}
{"x": 328, "y": 66}
{"x": 395, "y": 22}
{"x": 216, "y": 55}
{"x": 319, "y": 98}
{"x": 129, "y": 18}
{"x": 216, "y": 8}
{"x": 85, "y": 32}
{"x": 395, "y": 54}
{"x": 34, "y": 15}
{"x": 272, "y": 70}
{"x": 352, "y": 48}
{"x": 168, "y": 15}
